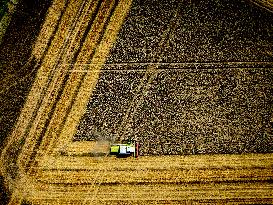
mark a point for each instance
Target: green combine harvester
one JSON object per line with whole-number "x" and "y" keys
{"x": 125, "y": 149}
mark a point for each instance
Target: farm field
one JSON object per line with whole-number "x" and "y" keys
{"x": 170, "y": 179}
{"x": 184, "y": 85}
{"x": 197, "y": 98}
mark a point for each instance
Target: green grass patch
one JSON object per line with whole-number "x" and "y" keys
{"x": 3, "y": 7}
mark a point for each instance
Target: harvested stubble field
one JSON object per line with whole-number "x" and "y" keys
{"x": 168, "y": 179}
{"x": 188, "y": 80}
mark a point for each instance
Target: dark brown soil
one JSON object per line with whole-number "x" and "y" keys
{"x": 196, "y": 103}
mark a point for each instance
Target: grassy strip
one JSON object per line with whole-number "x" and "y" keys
{"x": 6, "y": 11}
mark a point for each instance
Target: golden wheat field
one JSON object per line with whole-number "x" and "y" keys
{"x": 44, "y": 159}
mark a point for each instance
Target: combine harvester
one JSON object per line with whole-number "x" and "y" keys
{"x": 125, "y": 149}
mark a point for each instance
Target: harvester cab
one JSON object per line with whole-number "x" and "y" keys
{"x": 125, "y": 149}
